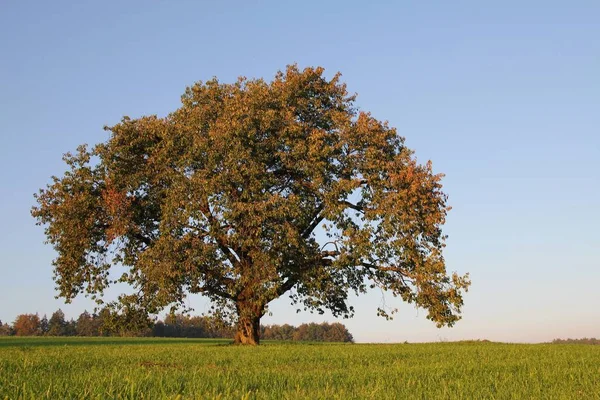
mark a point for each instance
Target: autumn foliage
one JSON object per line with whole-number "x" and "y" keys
{"x": 27, "y": 325}
{"x": 247, "y": 192}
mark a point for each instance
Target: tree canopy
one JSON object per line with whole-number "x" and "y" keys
{"x": 27, "y": 325}
{"x": 247, "y": 192}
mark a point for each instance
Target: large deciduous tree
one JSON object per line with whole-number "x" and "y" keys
{"x": 27, "y": 325}
{"x": 249, "y": 191}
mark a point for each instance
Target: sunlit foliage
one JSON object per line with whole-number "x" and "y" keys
{"x": 225, "y": 196}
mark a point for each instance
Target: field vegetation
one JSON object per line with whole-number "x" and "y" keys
{"x": 149, "y": 368}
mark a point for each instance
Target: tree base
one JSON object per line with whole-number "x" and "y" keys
{"x": 248, "y": 331}
{"x": 245, "y": 340}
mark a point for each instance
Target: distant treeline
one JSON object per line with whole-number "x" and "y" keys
{"x": 104, "y": 323}
{"x": 107, "y": 323}
{"x": 577, "y": 341}
{"x": 313, "y": 332}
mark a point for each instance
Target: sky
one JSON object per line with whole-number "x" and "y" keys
{"x": 503, "y": 97}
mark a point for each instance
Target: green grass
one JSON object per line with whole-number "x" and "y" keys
{"x": 149, "y": 368}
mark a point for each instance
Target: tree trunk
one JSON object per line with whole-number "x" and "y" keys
{"x": 248, "y": 326}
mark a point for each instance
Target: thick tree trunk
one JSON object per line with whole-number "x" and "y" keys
{"x": 248, "y": 331}
{"x": 248, "y": 326}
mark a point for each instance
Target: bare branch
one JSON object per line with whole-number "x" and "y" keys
{"x": 334, "y": 243}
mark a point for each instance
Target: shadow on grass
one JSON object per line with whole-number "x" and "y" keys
{"x": 101, "y": 341}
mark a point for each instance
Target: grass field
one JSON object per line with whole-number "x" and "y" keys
{"x": 149, "y": 368}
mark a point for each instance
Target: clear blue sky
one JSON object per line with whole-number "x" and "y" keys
{"x": 503, "y": 97}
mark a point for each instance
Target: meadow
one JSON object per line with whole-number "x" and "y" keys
{"x": 150, "y": 368}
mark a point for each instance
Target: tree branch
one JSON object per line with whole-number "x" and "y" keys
{"x": 285, "y": 286}
{"x": 220, "y": 238}
{"x": 404, "y": 275}
{"x": 331, "y": 253}
{"x": 212, "y": 290}
{"x": 356, "y": 207}
{"x": 316, "y": 220}
{"x": 384, "y": 268}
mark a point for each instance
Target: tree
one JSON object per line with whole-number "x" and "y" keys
{"x": 5, "y": 329}
{"x": 231, "y": 196}
{"x": 44, "y": 325}
{"x": 104, "y": 319}
{"x": 159, "y": 329}
{"x": 87, "y": 325}
{"x": 27, "y": 325}
{"x": 70, "y": 328}
{"x": 337, "y": 332}
{"x": 323, "y": 332}
{"x": 57, "y": 325}
{"x": 180, "y": 325}
{"x": 130, "y": 321}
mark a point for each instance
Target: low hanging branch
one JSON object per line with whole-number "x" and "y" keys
{"x": 234, "y": 194}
